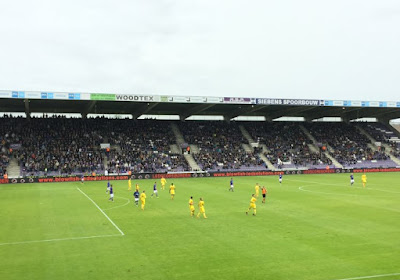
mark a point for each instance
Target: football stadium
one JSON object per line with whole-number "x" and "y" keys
{"x": 91, "y": 197}
{"x": 176, "y": 139}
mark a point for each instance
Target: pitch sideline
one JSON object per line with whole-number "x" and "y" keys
{"x": 95, "y": 204}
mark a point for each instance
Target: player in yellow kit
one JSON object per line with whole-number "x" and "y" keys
{"x": 163, "y": 182}
{"x": 142, "y": 200}
{"x": 191, "y": 207}
{"x": 137, "y": 188}
{"x": 252, "y": 205}
{"x": 201, "y": 209}
{"x": 129, "y": 184}
{"x": 257, "y": 188}
{"x": 364, "y": 180}
{"x": 172, "y": 191}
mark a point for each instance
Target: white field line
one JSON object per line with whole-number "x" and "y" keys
{"x": 108, "y": 218}
{"x": 345, "y": 194}
{"x": 338, "y": 185}
{"x": 58, "y": 239}
{"x": 119, "y": 205}
{"x": 370, "y": 276}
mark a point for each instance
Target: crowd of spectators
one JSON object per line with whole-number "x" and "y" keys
{"x": 143, "y": 146}
{"x": 220, "y": 146}
{"x": 348, "y": 144}
{"x": 286, "y": 143}
{"x": 59, "y": 145}
{"x": 382, "y": 134}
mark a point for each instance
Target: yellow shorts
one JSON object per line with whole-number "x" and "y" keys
{"x": 202, "y": 210}
{"x": 253, "y": 205}
{"x": 143, "y": 202}
{"x": 191, "y": 208}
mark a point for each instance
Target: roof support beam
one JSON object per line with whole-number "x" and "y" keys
{"x": 143, "y": 109}
{"x": 286, "y": 113}
{"x": 89, "y": 107}
{"x": 27, "y": 108}
{"x": 243, "y": 111}
{"x": 195, "y": 110}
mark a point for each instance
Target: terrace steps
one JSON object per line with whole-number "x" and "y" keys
{"x": 388, "y": 151}
{"x": 179, "y": 142}
{"x": 175, "y": 149}
{"x": 246, "y": 134}
{"x": 366, "y": 134}
{"x": 13, "y": 169}
{"x": 334, "y": 161}
{"x": 178, "y": 134}
{"x": 192, "y": 163}
{"x": 313, "y": 147}
{"x": 194, "y": 149}
{"x": 267, "y": 162}
{"x": 247, "y": 148}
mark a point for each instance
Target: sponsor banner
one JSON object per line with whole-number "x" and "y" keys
{"x": 347, "y": 103}
{"x": 102, "y": 96}
{"x": 391, "y": 104}
{"x": 60, "y": 95}
{"x": 374, "y": 104}
{"x": 47, "y": 95}
{"x": 356, "y": 103}
{"x": 338, "y": 103}
{"x": 18, "y": 94}
{"x": 239, "y": 100}
{"x": 5, "y": 94}
{"x": 32, "y": 95}
{"x": 55, "y": 179}
{"x": 190, "y": 99}
{"x": 74, "y": 96}
{"x": 294, "y": 102}
{"x": 137, "y": 98}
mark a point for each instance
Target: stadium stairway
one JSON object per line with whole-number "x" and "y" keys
{"x": 388, "y": 151}
{"x": 269, "y": 164}
{"x": 178, "y": 135}
{"x": 334, "y": 161}
{"x": 175, "y": 149}
{"x": 192, "y": 163}
{"x": 247, "y": 148}
{"x": 315, "y": 149}
{"x": 179, "y": 141}
{"x": 372, "y": 145}
{"x": 246, "y": 134}
{"x": 13, "y": 169}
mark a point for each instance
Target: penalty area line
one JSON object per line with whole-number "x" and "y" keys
{"x": 370, "y": 276}
{"x": 58, "y": 239}
{"x": 108, "y": 218}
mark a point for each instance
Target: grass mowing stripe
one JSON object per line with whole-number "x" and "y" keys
{"x": 370, "y": 276}
{"x": 58, "y": 239}
{"x": 108, "y": 218}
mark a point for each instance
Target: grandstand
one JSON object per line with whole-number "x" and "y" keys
{"x": 59, "y": 146}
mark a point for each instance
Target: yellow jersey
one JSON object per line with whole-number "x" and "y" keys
{"x": 257, "y": 187}
{"x": 253, "y": 200}
{"x": 163, "y": 181}
{"x": 191, "y": 204}
{"x": 142, "y": 196}
{"x": 172, "y": 189}
{"x": 137, "y": 187}
{"x": 201, "y": 204}
{"x": 364, "y": 178}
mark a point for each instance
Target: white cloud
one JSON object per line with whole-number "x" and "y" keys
{"x": 296, "y": 49}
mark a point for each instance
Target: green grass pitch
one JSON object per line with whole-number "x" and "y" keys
{"x": 312, "y": 227}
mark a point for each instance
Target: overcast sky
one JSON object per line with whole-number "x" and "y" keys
{"x": 339, "y": 49}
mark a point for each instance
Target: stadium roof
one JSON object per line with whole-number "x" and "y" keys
{"x": 186, "y": 106}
